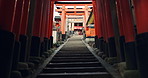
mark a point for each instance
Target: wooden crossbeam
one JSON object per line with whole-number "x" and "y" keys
{"x": 74, "y": 4}
{"x": 69, "y": 10}
{"x": 74, "y": 13}
{"x": 71, "y": 0}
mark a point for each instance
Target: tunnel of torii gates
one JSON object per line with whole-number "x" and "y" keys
{"x": 121, "y": 31}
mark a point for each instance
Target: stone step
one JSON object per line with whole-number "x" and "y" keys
{"x": 72, "y": 60}
{"x": 75, "y": 64}
{"x": 73, "y": 69}
{"x": 75, "y": 75}
{"x": 74, "y": 57}
{"x": 74, "y": 52}
{"x": 70, "y": 55}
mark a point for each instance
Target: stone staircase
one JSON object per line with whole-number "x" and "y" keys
{"x": 74, "y": 60}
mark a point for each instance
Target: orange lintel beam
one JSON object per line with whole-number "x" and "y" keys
{"x": 73, "y": 13}
{"x": 74, "y": 4}
{"x": 60, "y": 10}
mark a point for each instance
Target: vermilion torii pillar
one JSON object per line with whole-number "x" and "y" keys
{"x": 16, "y": 29}
{"x": 25, "y": 17}
{"x": 110, "y": 33}
{"x": 46, "y": 39}
{"x": 7, "y": 14}
{"x": 42, "y": 33}
{"x": 18, "y": 18}
{"x": 51, "y": 8}
{"x": 104, "y": 27}
{"x": 43, "y": 22}
{"x": 130, "y": 47}
{"x": 47, "y": 19}
{"x": 120, "y": 24}
{"x": 23, "y": 37}
{"x": 85, "y": 16}
{"x": 38, "y": 18}
{"x": 98, "y": 23}
{"x": 141, "y": 13}
{"x": 63, "y": 21}
{"x": 36, "y": 40}
{"x": 103, "y": 12}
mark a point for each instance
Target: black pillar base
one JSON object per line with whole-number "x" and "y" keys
{"x": 122, "y": 48}
{"x": 142, "y": 46}
{"x": 42, "y": 48}
{"x": 98, "y": 44}
{"x": 16, "y": 55}
{"x": 106, "y": 48}
{"x": 96, "y": 41}
{"x": 112, "y": 47}
{"x": 51, "y": 41}
{"x": 100, "y": 41}
{"x": 63, "y": 37}
{"x": 130, "y": 54}
{"x": 103, "y": 46}
{"x": 6, "y": 48}
{"x": 35, "y": 46}
{"x": 46, "y": 44}
{"x": 49, "y": 44}
{"x": 23, "y": 54}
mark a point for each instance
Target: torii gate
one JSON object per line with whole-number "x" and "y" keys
{"x": 73, "y": 11}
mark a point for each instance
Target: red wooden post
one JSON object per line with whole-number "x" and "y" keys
{"x": 7, "y": 14}
{"x": 7, "y": 38}
{"x": 18, "y": 18}
{"x": 47, "y": 19}
{"x": 104, "y": 27}
{"x": 51, "y": 18}
{"x": 44, "y": 41}
{"x": 96, "y": 23}
{"x": 100, "y": 3}
{"x": 95, "y": 19}
{"x": 121, "y": 31}
{"x": 63, "y": 22}
{"x": 24, "y": 22}
{"x": 127, "y": 21}
{"x": 109, "y": 31}
{"x": 100, "y": 17}
{"x": 38, "y": 18}
{"x": 46, "y": 16}
{"x": 103, "y": 12}
{"x": 129, "y": 34}
{"x": 42, "y": 33}
{"x": 23, "y": 37}
{"x": 51, "y": 8}
{"x": 109, "y": 20}
{"x": 120, "y": 20}
{"x": 141, "y": 13}
{"x": 16, "y": 29}
{"x": 99, "y": 23}
{"x": 37, "y": 24}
